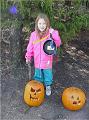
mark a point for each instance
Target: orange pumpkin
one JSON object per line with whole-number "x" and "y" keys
{"x": 34, "y": 93}
{"x": 73, "y": 98}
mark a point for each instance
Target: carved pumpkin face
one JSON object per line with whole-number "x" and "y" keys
{"x": 34, "y": 93}
{"x": 73, "y": 98}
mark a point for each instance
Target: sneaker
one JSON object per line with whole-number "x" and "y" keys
{"x": 48, "y": 90}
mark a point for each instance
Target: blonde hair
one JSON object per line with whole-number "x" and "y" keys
{"x": 46, "y": 19}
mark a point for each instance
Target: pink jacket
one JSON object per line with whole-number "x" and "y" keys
{"x": 41, "y": 59}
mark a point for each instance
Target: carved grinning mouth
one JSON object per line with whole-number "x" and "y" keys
{"x": 75, "y": 102}
{"x": 33, "y": 98}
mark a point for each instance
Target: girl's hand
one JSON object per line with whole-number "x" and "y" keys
{"x": 28, "y": 62}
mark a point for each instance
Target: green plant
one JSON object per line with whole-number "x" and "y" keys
{"x": 68, "y": 19}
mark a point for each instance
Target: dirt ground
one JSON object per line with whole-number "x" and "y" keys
{"x": 72, "y": 70}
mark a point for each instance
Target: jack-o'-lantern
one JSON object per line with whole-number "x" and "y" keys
{"x": 73, "y": 98}
{"x": 34, "y": 93}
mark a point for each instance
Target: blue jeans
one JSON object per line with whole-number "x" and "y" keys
{"x": 44, "y": 75}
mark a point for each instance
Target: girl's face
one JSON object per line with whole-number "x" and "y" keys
{"x": 41, "y": 24}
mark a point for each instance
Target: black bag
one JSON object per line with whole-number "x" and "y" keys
{"x": 49, "y": 46}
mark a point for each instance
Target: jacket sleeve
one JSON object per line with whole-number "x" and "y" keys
{"x": 56, "y": 38}
{"x": 29, "y": 53}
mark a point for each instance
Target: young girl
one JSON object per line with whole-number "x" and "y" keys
{"x": 42, "y": 61}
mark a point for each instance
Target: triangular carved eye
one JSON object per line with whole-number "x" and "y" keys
{"x": 72, "y": 97}
{"x": 38, "y": 90}
{"x": 77, "y": 98}
{"x": 32, "y": 90}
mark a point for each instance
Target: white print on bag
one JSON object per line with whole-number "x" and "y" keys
{"x": 50, "y": 48}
